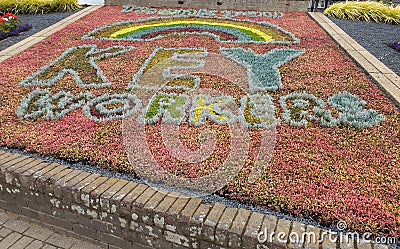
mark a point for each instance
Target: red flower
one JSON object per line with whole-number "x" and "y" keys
{"x": 10, "y": 15}
{"x": 3, "y": 20}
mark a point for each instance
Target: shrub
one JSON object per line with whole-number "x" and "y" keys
{"x": 10, "y": 25}
{"x": 38, "y": 6}
{"x": 365, "y": 11}
{"x": 8, "y": 22}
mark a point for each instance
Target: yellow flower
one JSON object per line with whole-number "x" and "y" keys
{"x": 257, "y": 32}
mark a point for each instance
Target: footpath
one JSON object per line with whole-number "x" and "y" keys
{"x": 16, "y": 232}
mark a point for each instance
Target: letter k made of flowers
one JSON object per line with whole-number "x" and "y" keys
{"x": 80, "y": 62}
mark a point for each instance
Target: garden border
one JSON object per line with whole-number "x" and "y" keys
{"x": 384, "y": 76}
{"x": 43, "y": 34}
{"x": 115, "y": 213}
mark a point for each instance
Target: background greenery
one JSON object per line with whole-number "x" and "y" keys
{"x": 38, "y": 6}
{"x": 365, "y": 11}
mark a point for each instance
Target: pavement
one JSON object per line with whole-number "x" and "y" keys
{"x": 18, "y": 232}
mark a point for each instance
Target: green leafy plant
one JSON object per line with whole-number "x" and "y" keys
{"x": 365, "y": 11}
{"x": 38, "y": 6}
{"x": 9, "y": 22}
{"x": 10, "y": 25}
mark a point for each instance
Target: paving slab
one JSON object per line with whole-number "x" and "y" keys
{"x": 18, "y": 233}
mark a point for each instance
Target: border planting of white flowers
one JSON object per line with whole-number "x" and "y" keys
{"x": 305, "y": 117}
{"x": 262, "y": 108}
{"x": 100, "y": 104}
{"x": 34, "y": 80}
{"x": 45, "y": 104}
{"x": 258, "y": 64}
{"x": 167, "y": 72}
{"x": 353, "y": 112}
{"x": 200, "y": 13}
{"x": 242, "y": 37}
{"x": 186, "y": 58}
{"x": 166, "y": 100}
{"x": 350, "y": 107}
{"x": 218, "y": 103}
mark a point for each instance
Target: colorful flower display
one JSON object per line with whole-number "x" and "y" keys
{"x": 10, "y": 25}
{"x": 222, "y": 30}
{"x": 336, "y": 155}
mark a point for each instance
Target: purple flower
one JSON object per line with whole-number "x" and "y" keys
{"x": 14, "y": 32}
{"x": 3, "y": 35}
{"x": 25, "y": 27}
{"x": 395, "y": 45}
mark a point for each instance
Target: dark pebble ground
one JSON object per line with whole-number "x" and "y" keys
{"x": 374, "y": 37}
{"x": 38, "y": 22}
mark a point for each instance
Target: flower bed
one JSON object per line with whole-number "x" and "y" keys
{"x": 10, "y": 25}
{"x": 336, "y": 154}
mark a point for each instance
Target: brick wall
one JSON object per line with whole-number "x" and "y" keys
{"x": 116, "y": 213}
{"x": 259, "y": 5}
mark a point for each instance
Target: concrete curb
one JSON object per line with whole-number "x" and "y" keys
{"x": 386, "y": 78}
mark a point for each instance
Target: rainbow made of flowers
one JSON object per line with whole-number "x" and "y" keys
{"x": 222, "y": 30}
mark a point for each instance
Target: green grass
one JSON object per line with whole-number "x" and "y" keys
{"x": 38, "y": 6}
{"x": 365, "y": 11}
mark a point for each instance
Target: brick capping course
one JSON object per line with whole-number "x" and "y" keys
{"x": 256, "y": 5}
{"x": 115, "y": 213}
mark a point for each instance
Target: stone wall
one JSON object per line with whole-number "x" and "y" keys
{"x": 115, "y": 213}
{"x": 258, "y": 5}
